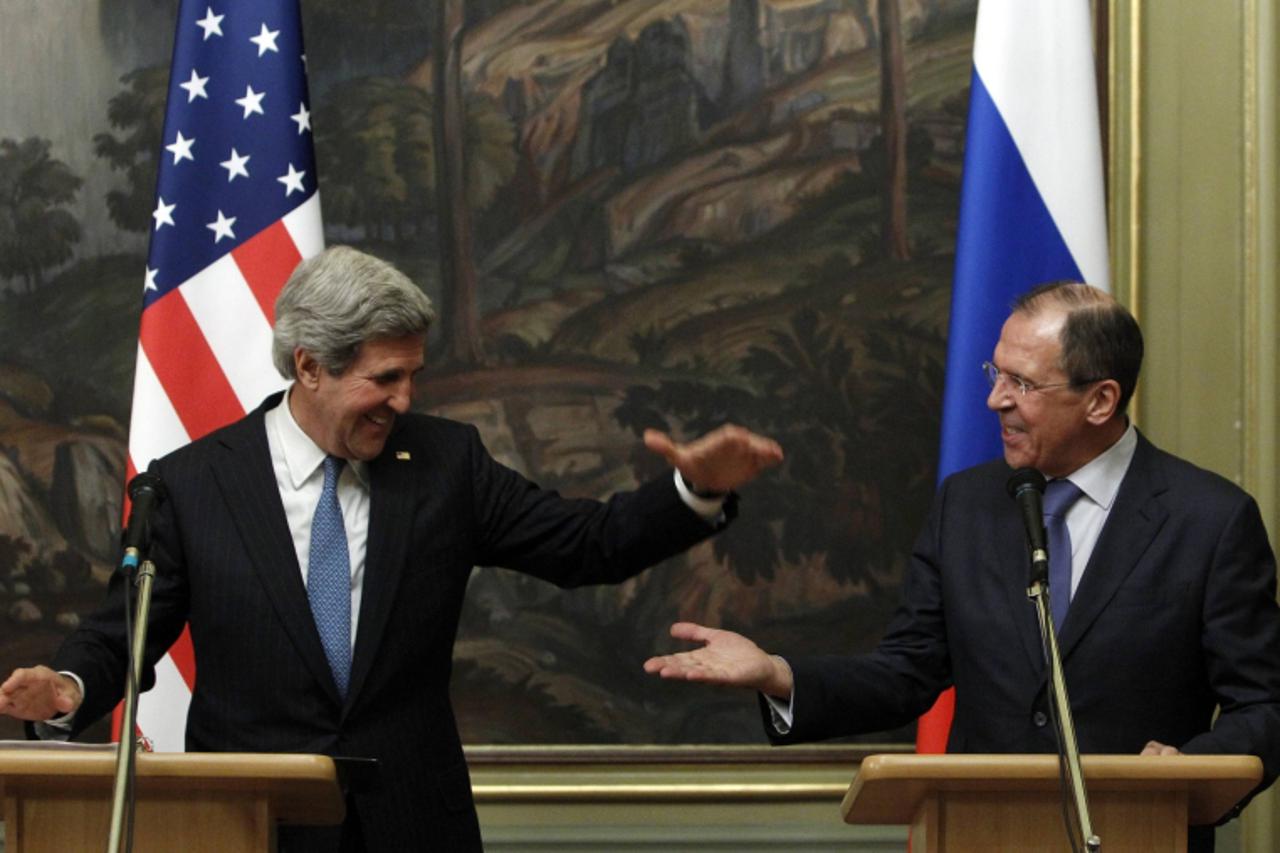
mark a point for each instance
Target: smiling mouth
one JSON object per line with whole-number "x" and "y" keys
{"x": 380, "y": 420}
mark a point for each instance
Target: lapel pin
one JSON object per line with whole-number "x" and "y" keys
{"x": 403, "y": 455}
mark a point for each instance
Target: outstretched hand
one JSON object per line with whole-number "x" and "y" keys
{"x": 720, "y": 461}
{"x": 725, "y": 658}
{"x": 38, "y": 693}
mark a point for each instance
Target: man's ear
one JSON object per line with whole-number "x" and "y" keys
{"x": 1104, "y": 402}
{"x": 307, "y": 368}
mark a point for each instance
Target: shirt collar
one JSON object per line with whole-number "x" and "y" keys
{"x": 1100, "y": 477}
{"x": 302, "y": 456}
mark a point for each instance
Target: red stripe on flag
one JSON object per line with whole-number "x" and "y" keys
{"x": 265, "y": 261}
{"x": 186, "y": 366}
{"x": 935, "y": 726}
{"x": 184, "y": 657}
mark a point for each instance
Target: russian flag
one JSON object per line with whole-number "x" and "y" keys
{"x": 1032, "y": 209}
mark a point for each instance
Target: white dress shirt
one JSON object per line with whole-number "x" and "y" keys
{"x": 1100, "y": 480}
{"x": 298, "y": 463}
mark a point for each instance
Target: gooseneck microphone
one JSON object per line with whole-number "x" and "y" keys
{"x": 146, "y": 491}
{"x": 1026, "y": 486}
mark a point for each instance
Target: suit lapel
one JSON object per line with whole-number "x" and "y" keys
{"x": 246, "y": 478}
{"x": 392, "y": 481}
{"x": 1135, "y": 519}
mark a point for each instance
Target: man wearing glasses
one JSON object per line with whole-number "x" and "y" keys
{"x": 1166, "y": 608}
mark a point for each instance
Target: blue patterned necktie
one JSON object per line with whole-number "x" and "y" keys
{"x": 1059, "y": 495}
{"x": 329, "y": 577}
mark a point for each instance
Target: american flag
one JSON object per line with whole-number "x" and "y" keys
{"x": 236, "y": 209}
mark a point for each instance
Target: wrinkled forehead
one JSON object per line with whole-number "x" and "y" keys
{"x": 1030, "y": 342}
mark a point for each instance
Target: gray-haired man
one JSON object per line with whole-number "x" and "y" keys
{"x": 320, "y": 549}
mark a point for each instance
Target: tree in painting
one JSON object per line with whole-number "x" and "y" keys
{"x": 138, "y": 114}
{"x": 36, "y": 231}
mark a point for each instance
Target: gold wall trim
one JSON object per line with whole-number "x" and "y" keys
{"x": 689, "y": 754}
{"x": 1249, "y": 272}
{"x": 725, "y": 775}
{"x": 652, "y": 793}
{"x": 1260, "y": 137}
{"x": 1124, "y": 159}
{"x": 1134, "y": 184}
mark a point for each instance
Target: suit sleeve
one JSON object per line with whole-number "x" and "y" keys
{"x": 571, "y": 542}
{"x": 1241, "y": 640}
{"x": 899, "y": 680}
{"x": 98, "y": 651}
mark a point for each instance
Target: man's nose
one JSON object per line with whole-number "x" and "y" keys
{"x": 1000, "y": 397}
{"x": 402, "y": 396}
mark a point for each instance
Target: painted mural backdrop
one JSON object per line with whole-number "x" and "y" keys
{"x": 630, "y": 213}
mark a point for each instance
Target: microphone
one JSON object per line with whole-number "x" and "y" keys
{"x": 1026, "y": 486}
{"x": 147, "y": 492}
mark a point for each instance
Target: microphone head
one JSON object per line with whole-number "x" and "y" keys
{"x": 1023, "y": 479}
{"x": 147, "y": 483}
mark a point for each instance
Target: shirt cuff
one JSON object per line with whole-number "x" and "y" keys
{"x": 709, "y": 508}
{"x": 59, "y": 728}
{"x": 781, "y": 714}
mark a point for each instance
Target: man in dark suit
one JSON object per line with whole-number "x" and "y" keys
{"x": 320, "y": 549}
{"x": 1171, "y": 584}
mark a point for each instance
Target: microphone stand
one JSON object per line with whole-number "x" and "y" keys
{"x": 1038, "y": 592}
{"x": 126, "y": 748}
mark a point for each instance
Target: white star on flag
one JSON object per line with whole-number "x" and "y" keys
{"x": 195, "y": 87}
{"x": 181, "y": 148}
{"x": 302, "y": 117}
{"x": 266, "y": 40}
{"x": 291, "y": 181}
{"x": 222, "y": 227}
{"x": 252, "y": 101}
{"x": 163, "y": 214}
{"x": 235, "y": 165}
{"x": 205, "y": 334}
{"x": 212, "y": 24}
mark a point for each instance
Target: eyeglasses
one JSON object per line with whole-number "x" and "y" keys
{"x": 994, "y": 374}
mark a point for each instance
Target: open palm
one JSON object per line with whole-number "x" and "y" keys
{"x": 725, "y": 658}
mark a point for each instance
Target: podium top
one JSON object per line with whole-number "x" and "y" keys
{"x": 302, "y": 788}
{"x": 888, "y": 789}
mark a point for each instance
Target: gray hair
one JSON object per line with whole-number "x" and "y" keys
{"x": 339, "y": 299}
{"x": 1100, "y": 338}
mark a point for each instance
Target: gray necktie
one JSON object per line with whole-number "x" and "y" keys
{"x": 329, "y": 577}
{"x": 1059, "y": 495}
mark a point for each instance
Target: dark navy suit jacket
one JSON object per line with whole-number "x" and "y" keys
{"x": 439, "y": 505}
{"x": 1175, "y": 615}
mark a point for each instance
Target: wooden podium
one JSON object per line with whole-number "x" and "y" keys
{"x": 60, "y": 800}
{"x": 1014, "y": 802}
